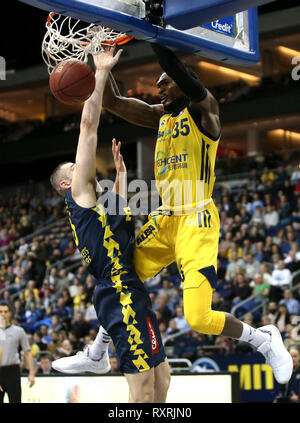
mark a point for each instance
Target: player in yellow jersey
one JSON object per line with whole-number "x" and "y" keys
{"x": 186, "y": 227}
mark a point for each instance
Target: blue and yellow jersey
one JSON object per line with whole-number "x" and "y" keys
{"x": 104, "y": 234}
{"x": 185, "y": 158}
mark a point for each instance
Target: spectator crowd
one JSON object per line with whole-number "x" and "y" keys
{"x": 43, "y": 277}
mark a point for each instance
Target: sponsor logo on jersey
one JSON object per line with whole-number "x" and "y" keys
{"x": 147, "y": 232}
{"x": 154, "y": 342}
{"x": 177, "y": 158}
{"x": 163, "y": 135}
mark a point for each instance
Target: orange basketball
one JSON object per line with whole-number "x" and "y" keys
{"x": 72, "y": 81}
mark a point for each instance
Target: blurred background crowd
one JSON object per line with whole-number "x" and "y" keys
{"x": 44, "y": 278}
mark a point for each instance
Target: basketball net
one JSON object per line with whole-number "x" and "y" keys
{"x": 68, "y": 38}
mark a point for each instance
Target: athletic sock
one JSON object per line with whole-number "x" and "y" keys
{"x": 253, "y": 336}
{"x": 100, "y": 344}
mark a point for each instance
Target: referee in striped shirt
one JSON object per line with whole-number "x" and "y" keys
{"x": 11, "y": 338}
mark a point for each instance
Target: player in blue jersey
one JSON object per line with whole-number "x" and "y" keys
{"x": 103, "y": 230}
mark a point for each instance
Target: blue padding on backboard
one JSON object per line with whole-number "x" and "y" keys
{"x": 216, "y": 51}
{"x": 184, "y": 15}
{"x": 92, "y": 13}
{"x": 140, "y": 29}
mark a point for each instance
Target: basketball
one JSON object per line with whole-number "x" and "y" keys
{"x": 72, "y": 81}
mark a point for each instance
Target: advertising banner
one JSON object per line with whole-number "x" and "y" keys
{"x": 257, "y": 382}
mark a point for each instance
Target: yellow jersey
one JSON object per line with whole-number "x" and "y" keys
{"x": 184, "y": 163}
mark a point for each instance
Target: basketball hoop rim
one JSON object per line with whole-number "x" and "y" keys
{"x": 123, "y": 39}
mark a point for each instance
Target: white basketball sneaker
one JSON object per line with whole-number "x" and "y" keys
{"x": 276, "y": 354}
{"x": 81, "y": 363}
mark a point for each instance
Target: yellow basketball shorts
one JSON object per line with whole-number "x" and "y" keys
{"x": 190, "y": 240}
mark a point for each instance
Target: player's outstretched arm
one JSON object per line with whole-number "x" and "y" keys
{"x": 131, "y": 109}
{"x": 83, "y": 180}
{"x": 201, "y": 98}
{"x": 120, "y": 186}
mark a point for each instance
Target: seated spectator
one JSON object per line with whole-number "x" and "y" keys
{"x": 162, "y": 306}
{"x": 271, "y": 217}
{"x": 81, "y": 274}
{"x": 37, "y": 340}
{"x": 31, "y": 316}
{"x": 35, "y": 349}
{"x": 44, "y": 331}
{"x": 223, "y": 341}
{"x": 234, "y": 261}
{"x": 65, "y": 350}
{"x": 62, "y": 311}
{"x": 114, "y": 364}
{"x": 241, "y": 289}
{"x": 44, "y": 365}
{"x": 23, "y": 246}
{"x": 53, "y": 277}
{"x": 225, "y": 289}
{"x": 286, "y": 247}
{"x": 62, "y": 281}
{"x": 259, "y": 252}
{"x": 265, "y": 320}
{"x": 283, "y": 319}
{"x": 77, "y": 345}
{"x": 56, "y": 324}
{"x": 65, "y": 294}
{"x": 47, "y": 299}
{"x": 74, "y": 287}
{"x": 290, "y": 393}
{"x": 293, "y": 305}
{"x": 281, "y": 279}
{"x": 251, "y": 267}
{"x": 19, "y": 309}
{"x": 31, "y": 289}
{"x": 296, "y": 210}
{"x": 163, "y": 330}
{"x": 90, "y": 315}
{"x": 257, "y": 216}
{"x": 281, "y": 176}
{"x": 70, "y": 250}
{"x": 267, "y": 175}
{"x": 80, "y": 326}
{"x": 249, "y": 319}
{"x": 54, "y": 343}
{"x": 284, "y": 209}
{"x": 260, "y": 286}
{"x": 256, "y": 203}
{"x": 89, "y": 288}
{"x": 80, "y": 297}
{"x": 272, "y": 311}
{"x": 219, "y": 304}
{"x": 179, "y": 319}
{"x": 226, "y": 244}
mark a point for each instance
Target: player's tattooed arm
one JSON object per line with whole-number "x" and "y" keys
{"x": 201, "y": 98}
{"x": 131, "y": 109}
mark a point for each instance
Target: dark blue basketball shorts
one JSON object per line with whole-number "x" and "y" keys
{"x": 124, "y": 310}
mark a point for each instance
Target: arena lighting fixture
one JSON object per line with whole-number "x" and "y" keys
{"x": 288, "y": 51}
{"x": 283, "y": 133}
{"x": 251, "y": 79}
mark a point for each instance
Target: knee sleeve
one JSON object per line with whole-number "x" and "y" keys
{"x": 197, "y": 308}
